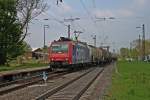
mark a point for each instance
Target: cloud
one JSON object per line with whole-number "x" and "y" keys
{"x": 125, "y": 13}
{"x": 60, "y": 9}
{"x": 113, "y": 13}
{"x": 140, "y": 3}
{"x": 103, "y": 13}
{"x": 64, "y": 8}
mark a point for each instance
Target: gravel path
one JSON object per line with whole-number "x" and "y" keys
{"x": 98, "y": 89}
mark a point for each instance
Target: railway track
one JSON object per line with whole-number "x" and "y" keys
{"x": 33, "y": 91}
{"x": 18, "y": 81}
{"x": 10, "y": 77}
{"x": 21, "y": 83}
{"x": 68, "y": 86}
{"x": 73, "y": 89}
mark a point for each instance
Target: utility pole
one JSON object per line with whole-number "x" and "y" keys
{"x": 69, "y": 31}
{"x": 140, "y": 46}
{"x": 143, "y": 42}
{"x": 94, "y": 38}
{"x": 45, "y": 26}
{"x": 130, "y": 48}
{"x": 69, "y": 26}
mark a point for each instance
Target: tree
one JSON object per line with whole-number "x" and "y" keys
{"x": 147, "y": 45}
{"x": 10, "y": 32}
{"x": 124, "y": 52}
{"x": 15, "y": 15}
{"x": 136, "y": 50}
{"x": 28, "y": 10}
{"x": 27, "y": 47}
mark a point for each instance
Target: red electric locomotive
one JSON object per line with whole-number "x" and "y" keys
{"x": 66, "y": 52}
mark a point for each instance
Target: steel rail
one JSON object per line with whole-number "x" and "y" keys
{"x": 31, "y": 83}
{"x": 18, "y": 80}
{"x": 55, "y": 90}
{"x": 77, "y": 97}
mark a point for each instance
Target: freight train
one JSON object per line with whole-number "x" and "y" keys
{"x": 66, "y": 53}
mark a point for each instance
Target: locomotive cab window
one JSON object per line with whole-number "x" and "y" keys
{"x": 59, "y": 48}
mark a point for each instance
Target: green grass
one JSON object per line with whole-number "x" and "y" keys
{"x": 22, "y": 66}
{"x": 132, "y": 82}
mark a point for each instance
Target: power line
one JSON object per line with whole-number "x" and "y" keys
{"x": 67, "y": 20}
{"x": 63, "y": 22}
{"x": 87, "y": 11}
{"x": 80, "y": 27}
{"x": 70, "y": 20}
{"x": 94, "y": 4}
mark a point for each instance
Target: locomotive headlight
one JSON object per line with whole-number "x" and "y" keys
{"x": 66, "y": 59}
{"x": 52, "y": 59}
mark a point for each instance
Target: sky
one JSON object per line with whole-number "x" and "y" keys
{"x": 117, "y": 32}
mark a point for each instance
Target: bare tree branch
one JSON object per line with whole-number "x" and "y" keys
{"x": 28, "y": 10}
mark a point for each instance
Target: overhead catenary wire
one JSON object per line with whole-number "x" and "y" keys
{"x": 80, "y": 27}
{"x": 74, "y": 23}
{"x": 94, "y": 4}
{"x": 51, "y": 16}
{"x": 64, "y": 24}
{"x": 90, "y": 15}
{"x": 58, "y": 21}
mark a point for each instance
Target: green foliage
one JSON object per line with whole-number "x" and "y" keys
{"x": 124, "y": 52}
{"x": 136, "y": 49}
{"x": 10, "y": 32}
{"x": 14, "y": 29}
{"x": 131, "y": 82}
{"x": 147, "y": 45}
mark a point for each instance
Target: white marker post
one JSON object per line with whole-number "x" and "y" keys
{"x": 44, "y": 77}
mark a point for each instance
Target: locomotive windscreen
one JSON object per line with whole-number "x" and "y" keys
{"x": 59, "y": 48}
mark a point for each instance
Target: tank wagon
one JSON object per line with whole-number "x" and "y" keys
{"x": 66, "y": 53}
{"x": 95, "y": 54}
